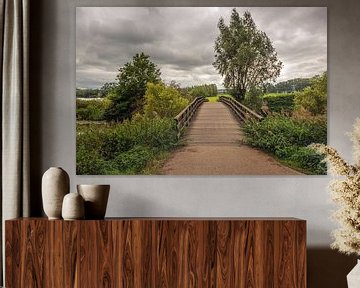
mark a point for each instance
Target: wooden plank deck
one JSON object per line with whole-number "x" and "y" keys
{"x": 214, "y": 124}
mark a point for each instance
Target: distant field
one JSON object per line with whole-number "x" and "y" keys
{"x": 213, "y": 98}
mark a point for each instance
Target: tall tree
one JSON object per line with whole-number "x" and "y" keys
{"x": 128, "y": 96}
{"x": 244, "y": 55}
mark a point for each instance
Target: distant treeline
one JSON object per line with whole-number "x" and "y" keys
{"x": 95, "y": 92}
{"x": 206, "y": 90}
{"x": 291, "y": 85}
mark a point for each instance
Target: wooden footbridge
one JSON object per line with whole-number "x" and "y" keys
{"x": 213, "y": 142}
{"x": 214, "y": 123}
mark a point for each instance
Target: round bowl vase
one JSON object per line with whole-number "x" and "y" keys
{"x": 73, "y": 207}
{"x": 96, "y": 198}
{"x": 55, "y": 185}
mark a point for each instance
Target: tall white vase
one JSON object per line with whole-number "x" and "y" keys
{"x": 55, "y": 185}
{"x": 353, "y": 278}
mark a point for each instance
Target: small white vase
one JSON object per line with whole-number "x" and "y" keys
{"x": 73, "y": 207}
{"x": 353, "y": 278}
{"x": 96, "y": 198}
{"x": 55, "y": 185}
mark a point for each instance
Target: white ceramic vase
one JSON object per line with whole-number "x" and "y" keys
{"x": 353, "y": 278}
{"x": 55, "y": 185}
{"x": 73, "y": 207}
{"x": 96, "y": 198}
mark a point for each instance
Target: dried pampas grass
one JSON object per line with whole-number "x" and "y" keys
{"x": 345, "y": 191}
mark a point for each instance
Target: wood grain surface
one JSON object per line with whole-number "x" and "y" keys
{"x": 157, "y": 253}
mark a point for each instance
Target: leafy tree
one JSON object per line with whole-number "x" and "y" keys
{"x": 129, "y": 93}
{"x": 162, "y": 101}
{"x": 314, "y": 97}
{"x": 253, "y": 98}
{"x": 244, "y": 55}
{"x": 107, "y": 89}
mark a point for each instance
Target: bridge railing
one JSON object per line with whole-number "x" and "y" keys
{"x": 184, "y": 118}
{"x": 240, "y": 110}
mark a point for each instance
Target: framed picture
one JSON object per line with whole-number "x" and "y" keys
{"x": 200, "y": 90}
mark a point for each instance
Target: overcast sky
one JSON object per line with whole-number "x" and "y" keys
{"x": 181, "y": 41}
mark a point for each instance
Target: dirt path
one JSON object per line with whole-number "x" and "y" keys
{"x": 214, "y": 147}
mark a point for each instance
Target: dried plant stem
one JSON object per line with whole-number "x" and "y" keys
{"x": 345, "y": 192}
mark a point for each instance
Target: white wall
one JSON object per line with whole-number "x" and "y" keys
{"x": 53, "y": 124}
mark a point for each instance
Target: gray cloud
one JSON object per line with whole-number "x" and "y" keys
{"x": 181, "y": 40}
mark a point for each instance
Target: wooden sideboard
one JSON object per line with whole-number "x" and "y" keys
{"x": 156, "y": 252}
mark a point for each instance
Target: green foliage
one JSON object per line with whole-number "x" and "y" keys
{"x": 87, "y": 93}
{"x": 160, "y": 134}
{"x": 303, "y": 157}
{"x": 134, "y": 160}
{"x": 128, "y": 97}
{"x": 88, "y": 158}
{"x": 213, "y": 99}
{"x": 313, "y": 98}
{"x": 244, "y": 55}
{"x": 162, "y": 101}
{"x": 125, "y": 148}
{"x": 91, "y": 110}
{"x": 206, "y": 90}
{"x": 253, "y": 98}
{"x": 279, "y": 102}
{"x": 287, "y": 138}
{"x": 107, "y": 89}
{"x": 90, "y": 164}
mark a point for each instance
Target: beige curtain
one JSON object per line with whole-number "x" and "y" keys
{"x": 14, "y": 27}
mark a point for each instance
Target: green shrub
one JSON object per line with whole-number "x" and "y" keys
{"x": 90, "y": 163}
{"x": 163, "y": 101}
{"x": 88, "y": 159}
{"x": 91, "y": 110}
{"x": 313, "y": 98}
{"x": 287, "y": 138}
{"x": 134, "y": 160}
{"x": 83, "y": 114}
{"x": 125, "y": 148}
{"x": 307, "y": 159}
{"x": 279, "y": 102}
{"x": 115, "y": 143}
{"x": 90, "y": 136}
